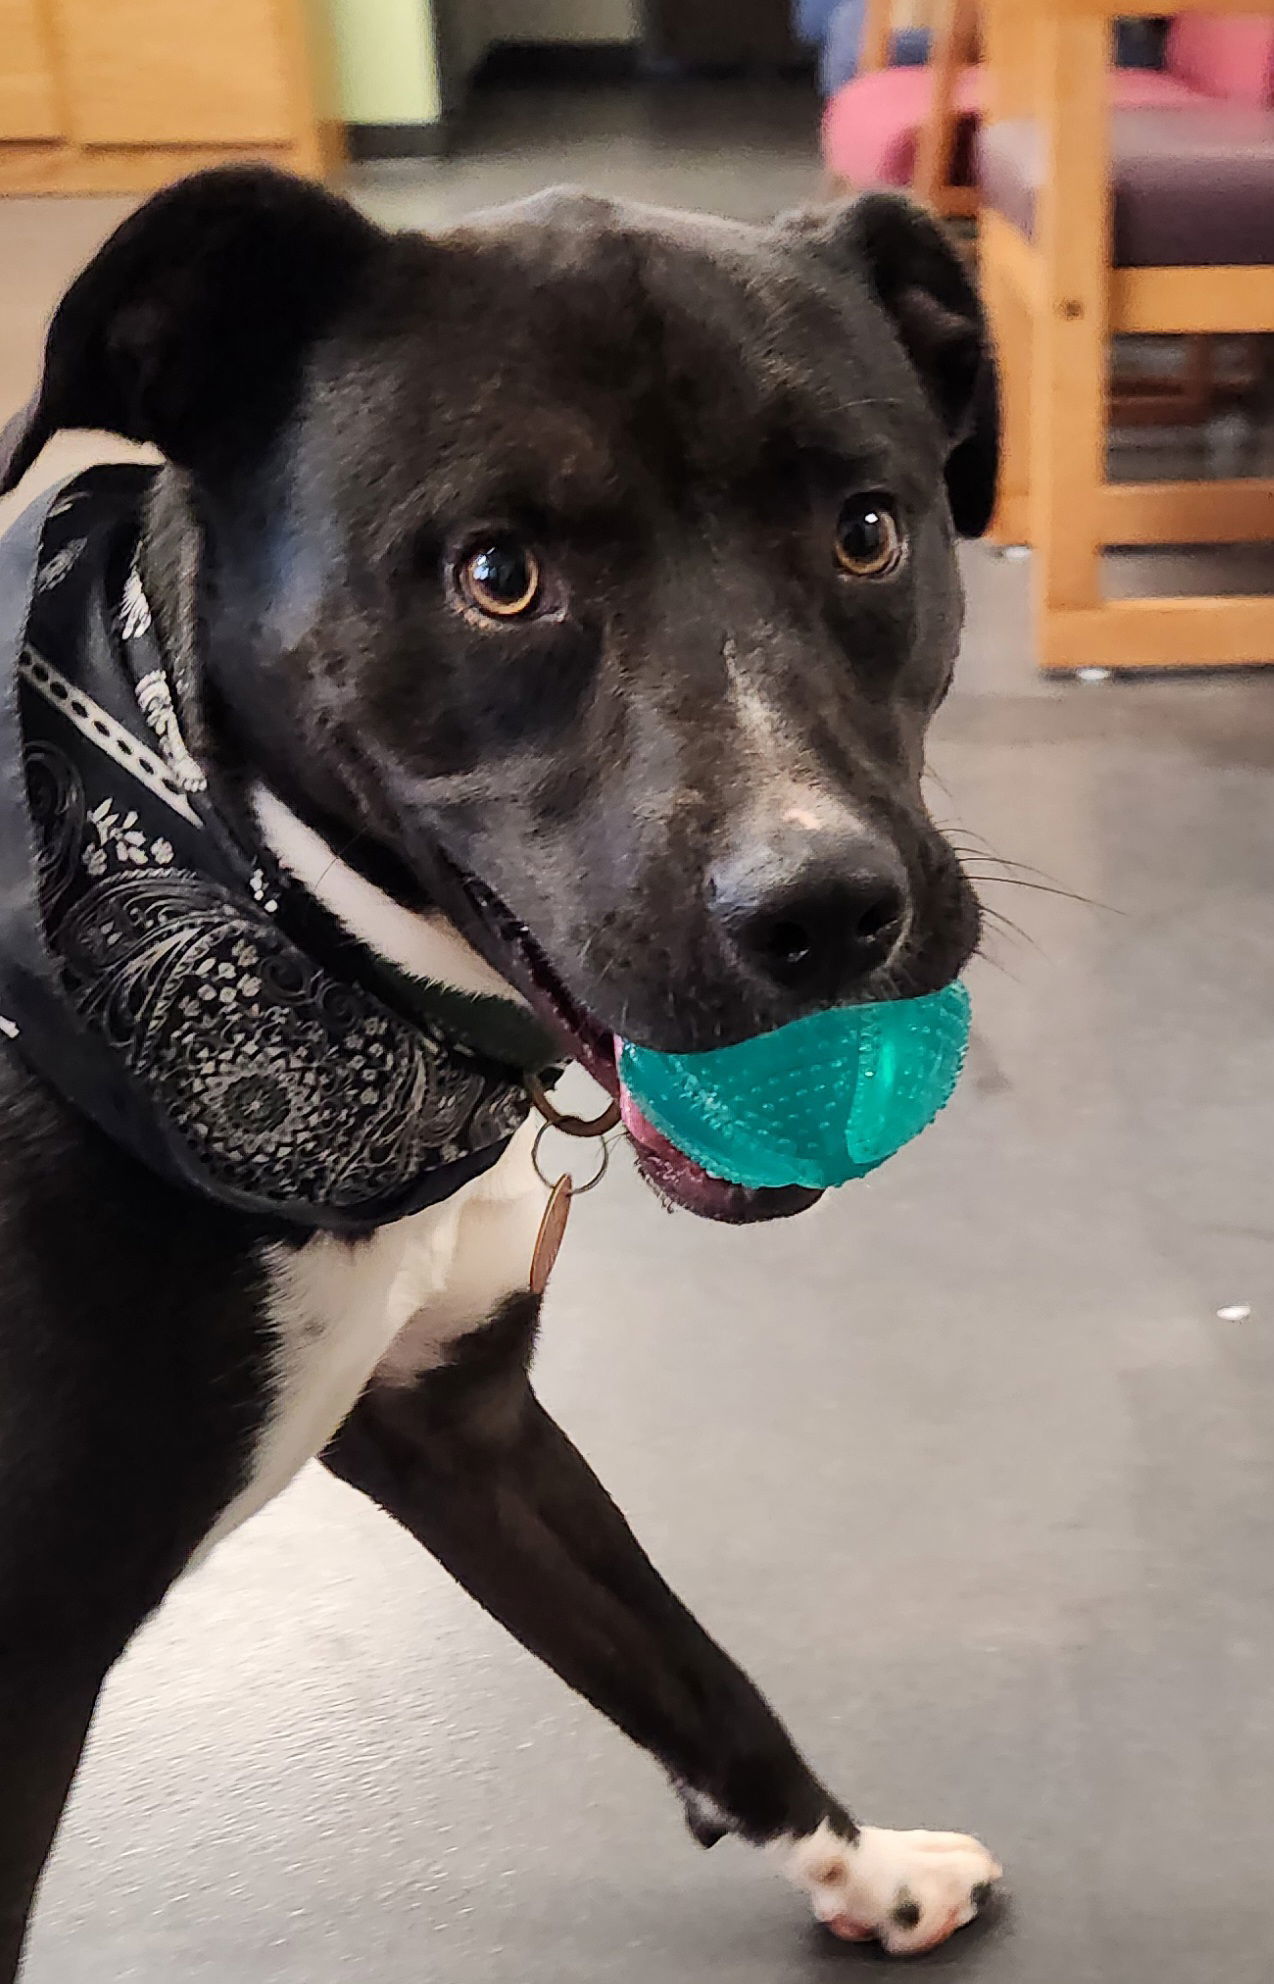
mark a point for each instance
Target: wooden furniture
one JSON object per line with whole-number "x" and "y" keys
{"x": 902, "y": 126}
{"x": 121, "y": 95}
{"x": 936, "y": 178}
{"x": 1161, "y": 228}
{"x": 915, "y": 127}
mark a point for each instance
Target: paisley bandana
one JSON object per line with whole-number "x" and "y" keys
{"x": 156, "y": 967}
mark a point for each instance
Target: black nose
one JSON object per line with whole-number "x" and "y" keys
{"x": 814, "y": 918}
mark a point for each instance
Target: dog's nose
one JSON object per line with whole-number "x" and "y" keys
{"x": 815, "y": 918}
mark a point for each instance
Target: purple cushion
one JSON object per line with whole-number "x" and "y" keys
{"x": 1194, "y": 188}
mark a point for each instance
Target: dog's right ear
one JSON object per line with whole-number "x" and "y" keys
{"x": 915, "y": 272}
{"x": 190, "y": 327}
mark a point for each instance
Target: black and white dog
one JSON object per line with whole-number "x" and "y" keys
{"x": 530, "y": 641}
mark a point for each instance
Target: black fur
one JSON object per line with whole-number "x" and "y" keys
{"x": 472, "y": 1465}
{"x": 134, "y": 1374}
{"x": 672, "y": 411}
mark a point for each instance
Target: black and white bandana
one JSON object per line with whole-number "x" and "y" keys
{"x": 159, "y": 972}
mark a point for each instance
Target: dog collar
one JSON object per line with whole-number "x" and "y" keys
{"x": 157, "y": 966}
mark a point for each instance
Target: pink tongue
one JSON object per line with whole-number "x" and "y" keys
{"x": 640, "y": 1130}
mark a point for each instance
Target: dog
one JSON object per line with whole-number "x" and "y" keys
{"x": 541, "y": 623}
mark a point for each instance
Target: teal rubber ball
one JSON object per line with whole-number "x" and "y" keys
{"x": 816, "y": 1103}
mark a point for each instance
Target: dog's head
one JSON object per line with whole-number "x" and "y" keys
{"x": 593, "y": 568}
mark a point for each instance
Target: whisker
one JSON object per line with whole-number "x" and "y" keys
{"x": 1004, "y": 923}
{"x": 339, "y": 855}
{"x": 1047, "y": 889}
{"x": 969, "y": 845}
{"x": 996, "y": 964}
{"x": 1001, "y": 860}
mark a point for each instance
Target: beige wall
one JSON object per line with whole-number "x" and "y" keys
{"x": 477, "y": 24}
{"x": 564, "y": 20}
{"x": 469, "y": 35}
{"x": 385, "y": 48}
{"x": 386, "y": 67}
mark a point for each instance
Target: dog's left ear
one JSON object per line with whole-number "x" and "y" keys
{"x": 191, "y": 326}
{"x": 913, "y": 269}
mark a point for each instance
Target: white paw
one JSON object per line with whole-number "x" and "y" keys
{"x": 909, "y": 1890}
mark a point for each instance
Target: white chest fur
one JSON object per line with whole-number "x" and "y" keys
{"x": 392, "y": 1303}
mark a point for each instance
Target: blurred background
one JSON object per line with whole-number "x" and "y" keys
{"x": 974, "y": 1467}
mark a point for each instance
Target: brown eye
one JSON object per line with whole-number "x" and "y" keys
{"x": 869, "y": 540}
{"x": 501, "y": 579}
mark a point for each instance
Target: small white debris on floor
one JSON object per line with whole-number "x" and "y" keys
{"x": 1093, "y": 674}
{"x": 1236, "y": 1312}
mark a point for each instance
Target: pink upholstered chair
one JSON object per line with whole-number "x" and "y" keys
{"x": 909, "y": 127}
{"x": 1230, "y": 57}
{"x": 914, "y": 127}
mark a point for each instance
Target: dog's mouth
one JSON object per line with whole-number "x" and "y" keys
{"x": 674, "y": 1177}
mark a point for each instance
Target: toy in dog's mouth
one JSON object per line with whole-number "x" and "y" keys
{"x": 759, "y": 1129}
{"x": 674, "y": 1176}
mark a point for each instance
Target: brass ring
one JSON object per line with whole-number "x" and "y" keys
{"x": 576, "y": 1190}
{"x": 570, "y": 1126}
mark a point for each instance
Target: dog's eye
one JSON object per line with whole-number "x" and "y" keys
{"x": 501, "y": 578}
{"x": 869, "y": 539}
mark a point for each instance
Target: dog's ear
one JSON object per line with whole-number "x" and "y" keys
{"x": 190, "y": 327}
{"x": 916, "y": 273}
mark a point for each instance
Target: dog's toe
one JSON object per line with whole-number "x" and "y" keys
{"x": 910, "y": 1890}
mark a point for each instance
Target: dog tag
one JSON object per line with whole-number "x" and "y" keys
{"x": 548, "y": 1241}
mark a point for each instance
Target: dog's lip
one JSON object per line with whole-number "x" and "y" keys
{"x": 532, "y": 974}
{"x": 674, "y": 1177}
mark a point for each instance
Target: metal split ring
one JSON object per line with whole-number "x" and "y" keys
{"x": 576, "y": 1190}
{"x": 570, "y": 1126}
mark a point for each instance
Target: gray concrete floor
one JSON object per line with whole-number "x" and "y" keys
{"x": 965, "y": 1466}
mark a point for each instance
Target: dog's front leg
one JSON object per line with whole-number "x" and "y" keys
{"x": 468, "y": 1460}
